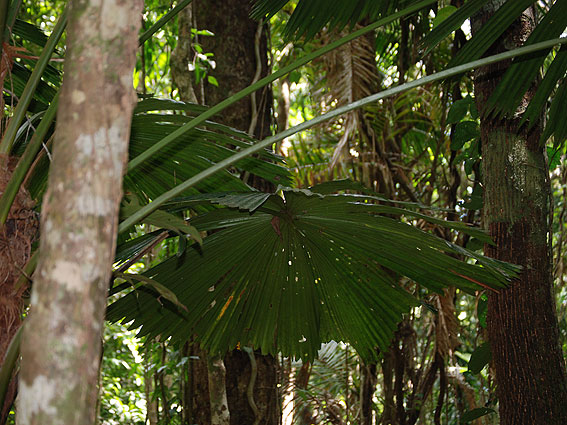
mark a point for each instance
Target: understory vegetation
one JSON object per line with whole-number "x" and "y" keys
{"x": 351, "y": 265}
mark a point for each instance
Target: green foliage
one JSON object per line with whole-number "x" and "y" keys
{"x": 480, "y": 358}
{"x": 309, "y": 17}
{"x": 333, "y": 242}
{"x": 319, "y": 259}
{"x": 122, "y": 382}
{"x": 479, "y": 412}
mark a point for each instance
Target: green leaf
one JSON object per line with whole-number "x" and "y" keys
{"x": 481, "y": 310}
{"x": 161, "y": 219}
{"x": 269, "y": 141}
{"x": 480, "y": 358}
{"x": 539, "y": 102}
{"x": 162, "y": 21}
{"x": 310, "y": 16}
{"x": 557, "y": 124}
{"x": 491, "y": 31}
{"x": 475, "y": 200}
{"x": 206, "y": 33}
{"x": 158, "y": 287}
{"x": 458, "y": 110}
{"x": 9, "y": 362}
{"x": 465, "y": 131}
{"x": 479, "y": 412}
{"x": 31, "y": 85}
{"x": 321, "y": 260}
{"x": 521, "y": 74}
{"x": 171, "y": 138}
{"x": 553, "y": 157}
{"x": 451, "y": 23}
{"x": 212, "y": 80}
{"x": 443, "y": 14}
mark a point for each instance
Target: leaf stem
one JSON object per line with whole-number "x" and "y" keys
{"x": 162, "y": 21}
{"x": 33, "y": 82}
{"x": 267, "y": 80}
{"x": 160, "y": 200}
{"x": 27, "y": 159}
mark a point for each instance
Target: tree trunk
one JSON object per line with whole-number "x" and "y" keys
{"x": 240, "y": 50}
{"x": 303, "y": 415}
{"x": 220, "y": 414}
{"x": 367, "y": 389}
{"x": 61, "y": 344}
{"x": 16, "y": 238}
{"x": 522, "y": 321}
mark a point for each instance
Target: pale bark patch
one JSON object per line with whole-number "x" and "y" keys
{"x": 112, "y": 19}
{"x": 78, "y": 97}
{"x": 87, "y": 144}
{"x": 87, "y": 204}
{"x": 36, "y": 398}
{"x": 69, "y": 274}
{"x": 518, "y": 159}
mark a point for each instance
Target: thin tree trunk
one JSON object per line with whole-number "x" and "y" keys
{"x": 367, "y": 389}
{"x": 522, "y": 321}
{"x": 149, "y": 388}
{"x": 220, "y": 414}
{"x": 62, "y": 337}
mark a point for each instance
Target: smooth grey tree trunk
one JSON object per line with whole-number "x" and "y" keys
{"x": 62, "y": 336}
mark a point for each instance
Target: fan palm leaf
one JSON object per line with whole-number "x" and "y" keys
{"x": 289, "y": 272}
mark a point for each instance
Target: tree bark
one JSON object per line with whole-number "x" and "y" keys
{"x": 367, "y": 389}
{"x": 61, "y": 344}
{"x": 220, "y": 414}
{"x": 522, "y": 322}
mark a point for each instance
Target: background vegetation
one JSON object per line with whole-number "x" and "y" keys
{"x": 420, "y": 149}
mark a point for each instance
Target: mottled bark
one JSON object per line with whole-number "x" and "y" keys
{"x": 220, "y": 414}
{"x": 182, "y": 56}
{"x": 522, "y": 322}
{"x": 62, "y": 337}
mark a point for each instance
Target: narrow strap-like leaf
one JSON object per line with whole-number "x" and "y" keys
{"x": 490, "y": 32}
{"x": 523, "y": 71}
{"x": 176, "y": 191}
{"x": 555, "y": 72}
{"x": 27, "y": 159}
{"x": 452, "y": 23}
{"x": 267, "y": 80}
{"x": 162, "y": 21}
{"x": 35, "y": 78}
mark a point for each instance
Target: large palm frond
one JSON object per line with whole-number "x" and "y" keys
{"x": 289, "y": 272}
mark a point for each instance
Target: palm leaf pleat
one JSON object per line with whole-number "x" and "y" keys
{"x": 301, "y": 269}
{"x": 191, "y": 153}
{"x": 310, "y": 16}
